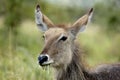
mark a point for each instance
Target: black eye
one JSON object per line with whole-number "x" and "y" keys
{"x": 63, "y": 38}
{"x": 43, "y": 36}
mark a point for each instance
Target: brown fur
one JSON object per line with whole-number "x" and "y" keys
{"x": 74, "y": 71}
{"x": 65, "y": 55}
{"x": 77, "y": 71}
{"x": 46, "y": 20}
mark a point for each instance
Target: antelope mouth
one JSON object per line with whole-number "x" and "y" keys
{"x": 47, "y": 63}
{"x": 44, "y": 60}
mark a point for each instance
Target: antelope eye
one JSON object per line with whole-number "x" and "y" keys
{"x": 63, "y": 38}
{"x": 43, "y": 36}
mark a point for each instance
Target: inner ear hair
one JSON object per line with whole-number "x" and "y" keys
{"x": 42, "y": 21}
{"x": 80, "y": 24}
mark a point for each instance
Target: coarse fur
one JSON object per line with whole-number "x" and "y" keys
{"x": 75, "y": 67}
{"x": 77, "y": 71}
{"x": 63, "y": 53}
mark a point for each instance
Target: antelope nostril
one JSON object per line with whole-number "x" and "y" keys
{"x": 42, "y": 59}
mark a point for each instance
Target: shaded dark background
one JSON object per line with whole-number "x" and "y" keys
{"x": 21, "y": 42}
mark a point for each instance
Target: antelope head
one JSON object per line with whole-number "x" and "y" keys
{"x": 58, "y": 40}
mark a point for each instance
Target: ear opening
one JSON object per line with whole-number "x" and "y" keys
{"x": 42, "y": 21}
{"x": 83, "y": 27}
{"x": 90, "y": 13}
{"x": 81, "y": 24}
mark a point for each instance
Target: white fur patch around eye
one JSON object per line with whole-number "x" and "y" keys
{"x": 39, "y": 20}
{"x": 60, "y": 37}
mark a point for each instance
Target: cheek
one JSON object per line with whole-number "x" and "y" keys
{"x": 61, "y": 59}
{"x": 64, "y": 55}
{"x": 60, "y": 54}
{"x": 53, "y": 52}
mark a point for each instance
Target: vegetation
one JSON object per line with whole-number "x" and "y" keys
{"x": 21, "y": 42}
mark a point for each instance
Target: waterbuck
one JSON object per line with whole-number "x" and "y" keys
{"x": 63, "y": 53}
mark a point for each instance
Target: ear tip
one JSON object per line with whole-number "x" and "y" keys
{"x": 90, "y": 11}
{"x": 38, "y": 6}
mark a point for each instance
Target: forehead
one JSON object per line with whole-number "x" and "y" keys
{"x": 54, "y": 32}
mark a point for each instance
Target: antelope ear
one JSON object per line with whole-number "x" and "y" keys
{"x": 80, "y": 24}
{"x": 42, "y": 21}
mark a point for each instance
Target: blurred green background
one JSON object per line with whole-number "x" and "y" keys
{"x": 21, "y": 42}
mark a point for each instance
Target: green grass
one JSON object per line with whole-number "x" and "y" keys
{"x": 99, "y": 46}
{"x": 21, "y": 63}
